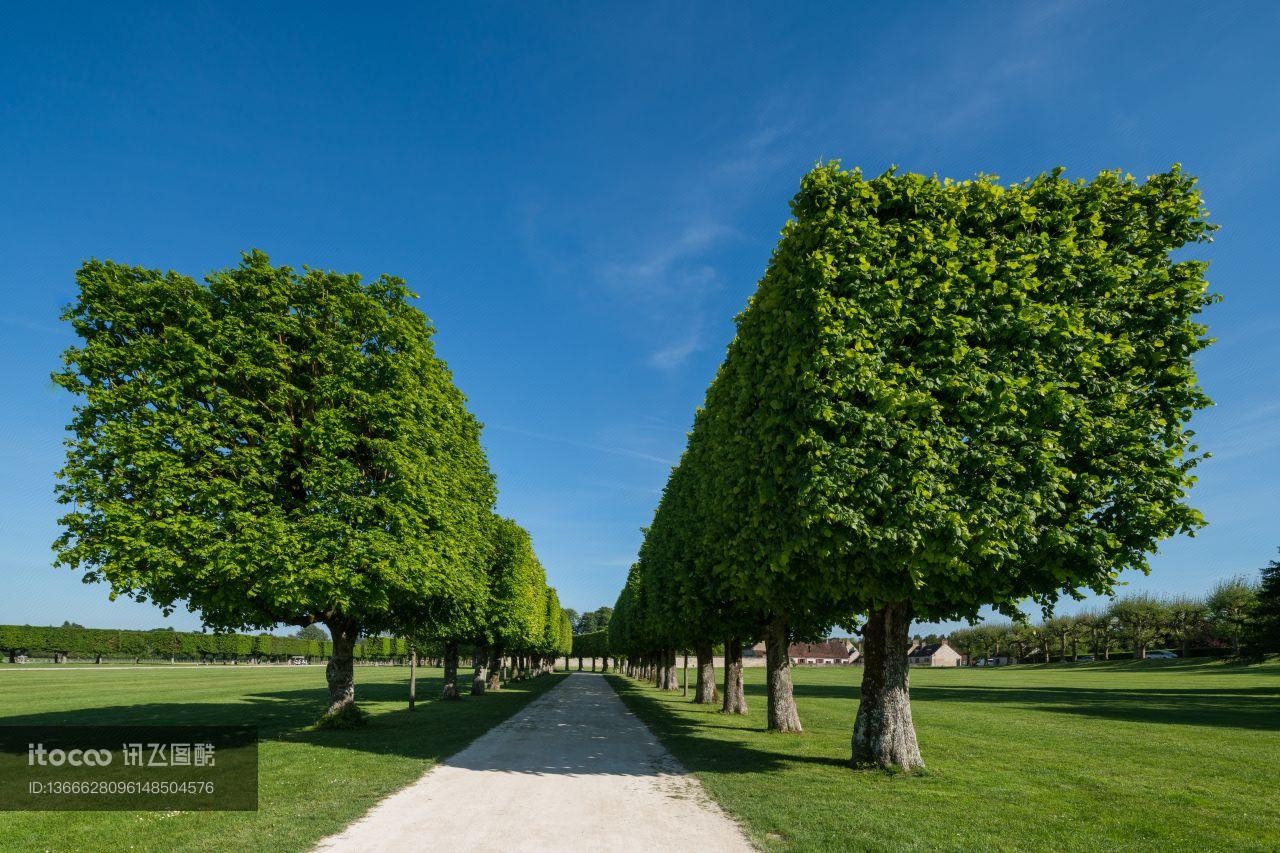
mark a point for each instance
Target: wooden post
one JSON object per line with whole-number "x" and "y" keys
{"x": 413, "y": 677}
{"x": 686, "y": 672}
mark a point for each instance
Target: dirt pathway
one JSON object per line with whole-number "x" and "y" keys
{"x": 574, "y": 770}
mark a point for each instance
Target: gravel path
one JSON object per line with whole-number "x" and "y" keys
{"x": 574, "y": 770}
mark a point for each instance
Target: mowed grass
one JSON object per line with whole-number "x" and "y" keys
{"x": 1130, "y": 756}
{"x": 310, "y": 783}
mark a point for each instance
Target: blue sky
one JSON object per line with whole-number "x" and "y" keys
{"x": 585, "y": 194}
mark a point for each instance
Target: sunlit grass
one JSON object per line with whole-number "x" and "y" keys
{"x": 311, "y": 783}
{"x": 1134, "y": 756}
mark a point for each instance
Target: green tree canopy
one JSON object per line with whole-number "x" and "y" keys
{"x": 945, "y": 395}
{"x": 271, "y": 446}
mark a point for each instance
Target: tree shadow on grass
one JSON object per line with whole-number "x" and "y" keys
{"x": 1241, "y": 708}
{"x": 564, "y": 737}
{"x": 1244, "y": 707}
{"x": 698, "y": 753}
{"x": 434, "y": 730}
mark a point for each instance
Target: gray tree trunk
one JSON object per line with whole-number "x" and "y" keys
{"x": 705, "y": 694}
{"x": 478, "y": 675}
{"x": 340, "y": 671}
{"x": 495, "y": 668}
{"x": 451, "y": 671}
{"x": 671, "y": 680}
{"x": 735, "y": 699}
{"x": 413, "y": 677}
{"x": 883, "y": 733}
{"x": 783, "y": 716}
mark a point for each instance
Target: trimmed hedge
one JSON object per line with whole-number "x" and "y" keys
{"x": 592, "y": 645}
{"x": 166, "y": 643}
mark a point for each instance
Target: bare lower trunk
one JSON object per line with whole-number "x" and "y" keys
{"x": 883, "y": 733}
{"x": 670, "y": 679}
{"x": 706, "y": 691}
{"x": 783, "y": 716}
{"x": 495, "y": 668}
{"x": 341, "y": 668}
{"x": 735, "y": 700}
{"x": 451, "y": 671}
{"x": 478, "y": 675}
{"x": 413, "y": 677}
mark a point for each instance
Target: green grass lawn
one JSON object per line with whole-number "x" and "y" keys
{"x": 1134, "y": 756}
{"x": 310, "y": 783}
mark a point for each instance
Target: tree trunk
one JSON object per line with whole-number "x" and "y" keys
{"x": 706, "y": 690}
{"x": 340, "y": 671}
{"x": 478, "y": 675}
{"x": 413, "y": 677}
{"x": 783, "y": 716}
{"x": 686, "y": 674}
{"x": 883, "y": 734}
{"x": 495, "y": 667}
{"x": 451, "y": 671}
{"x": 671, "y": 682}
{"x": 735, "y": 699}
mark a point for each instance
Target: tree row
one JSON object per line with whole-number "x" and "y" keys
{"x": 941, "y": 396}
{"x": 280, "y": 447}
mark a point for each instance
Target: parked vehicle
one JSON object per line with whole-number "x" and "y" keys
{"x": 1085, "y": 659}
{"x": 1161, "y": 654}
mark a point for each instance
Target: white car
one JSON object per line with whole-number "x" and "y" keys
{"x": 1161, "y": 654}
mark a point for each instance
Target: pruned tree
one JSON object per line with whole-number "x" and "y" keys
{"x": 514, "y": 614}
{"x": 949, "y": 395}
{"x": 270, "y": 447}
{"x": 1186, "y": 618}
{"x": 1230, "y": 605}
{"x": 1142, "y": 618}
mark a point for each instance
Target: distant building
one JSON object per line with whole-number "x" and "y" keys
{"x": 933, "y": 654}
{"x": 826, "y": 653}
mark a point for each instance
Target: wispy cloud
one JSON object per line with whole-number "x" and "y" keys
{"x": 663, "y": 278}
{"x": 32, "y": 325}
{"x": 1251, "y": 432}
{"x": 599, "y": 448}
{"x": 672, "y": 284}
{"x": 675, "y": 354}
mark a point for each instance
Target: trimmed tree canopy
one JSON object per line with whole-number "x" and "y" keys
{"x": 961, "y": 394}
{"x": 943, "y": 395}
{"x": 271, "y": 446}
